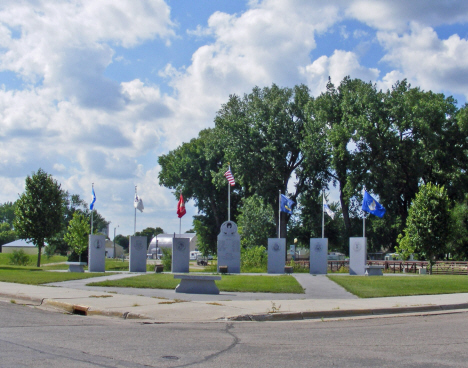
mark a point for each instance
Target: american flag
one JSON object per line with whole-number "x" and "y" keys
{"x": 230, "y": 177}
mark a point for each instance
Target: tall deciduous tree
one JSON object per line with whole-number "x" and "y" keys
{"x": 427, "y": 229}
{"x": 256, "y": 222}
{"x": 150, "y": 233}
{"x": 39, "y": 210}
{"x": 77, "y": 233}
{"x": 261, "y": 135}
{"x": 195, "y": 169}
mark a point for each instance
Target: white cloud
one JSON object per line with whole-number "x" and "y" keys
{"x": 428, "y": 61}
{"x": 396, "y": 15}
{"x": 82, "y": 126}
{"x": 337, "y": 66}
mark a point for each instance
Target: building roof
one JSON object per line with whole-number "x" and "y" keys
{"x": 19, "y": 243}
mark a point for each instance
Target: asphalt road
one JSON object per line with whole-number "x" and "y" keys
{"x": 30, "y": 337}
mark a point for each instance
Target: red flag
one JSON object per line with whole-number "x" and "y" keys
{"x": 181, "y": 207}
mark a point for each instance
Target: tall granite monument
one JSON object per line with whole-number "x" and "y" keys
{"x": 97, "y": 253}
{"x": 276, "y": 255}
{"x": 229, "y": 247}
{"x": 137, "y": 247}
{"x": 318, "y": 256}
{"x": 180, "y": 254}
{"x": 357, "y": 256}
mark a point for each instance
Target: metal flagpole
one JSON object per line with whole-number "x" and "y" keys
{"x": 229, "y": 200}
{"x": 180, "y": 222}
{"x": 363, "y": 216}
{"x": 364, "y": 226}
{"x": 134, "y": 224}
{"x": 92, "y": 215}
{"x": 279, "y": 214}
{"x": 323, "y": 214}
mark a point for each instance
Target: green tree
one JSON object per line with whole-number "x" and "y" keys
{"x": 123, "y": 241}
{"x": 413, "y": 138}
{"x": 73, "y": 203}
{"x": 256, "y": 222}
{"x": 458, "y": 245}
{"x": 7, "y": 212}
{"x": 77, "y": 234}
{"x": 261, "y": 135}
{"x": 39, "y": 210}
{"x": 428, "y": 224}
{"x": 196, "y": 170}
{"x": 150, "y": 233}
{"x": 7, "y": 234}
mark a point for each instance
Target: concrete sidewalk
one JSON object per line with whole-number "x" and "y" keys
{"x": 168, "y": 306}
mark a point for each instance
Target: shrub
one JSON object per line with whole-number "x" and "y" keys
{"x": 298, "y": 267}
{"x": 19, "y": 258}
{"x": 166, "y": 259}
{"x": 254, "y": 259}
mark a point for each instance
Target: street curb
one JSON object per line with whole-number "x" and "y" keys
{"x": 88, "y": 311}
{"x": 294, "y": 316}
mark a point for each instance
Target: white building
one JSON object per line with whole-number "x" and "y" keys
{"x": 28, "y": 248}
{"x": 165, "y": 241}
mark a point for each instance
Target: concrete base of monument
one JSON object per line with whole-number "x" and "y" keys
{"x": 374, "y": 270}
{"x": 197, "y": 284}
{"x": 76, "y": 266}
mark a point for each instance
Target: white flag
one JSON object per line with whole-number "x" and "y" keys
{"x": 138, "y": 203}
{"x": 328, "y": 210}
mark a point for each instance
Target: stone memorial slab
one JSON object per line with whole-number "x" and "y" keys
{"x": 229, "y": 247}
{"x": 137, "y": 258}
{"x": 318, "y": 256}
{"x": 97, "y": 253}
{"x": 180, "y": 254}
{"x": 276, "y": 255}
{"x": 357, "y": 256}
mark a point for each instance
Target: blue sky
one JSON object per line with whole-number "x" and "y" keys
{"x": 94, "y": 91}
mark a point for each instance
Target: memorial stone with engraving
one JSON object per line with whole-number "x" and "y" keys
{"x": 137, "y": 258}
{"x": 97, "y": 253}
{"x": 318, "y": 256}
{"x": 229, "y": 247}
{"x": 357, "y": 256}
{"x": 276, "y": 255}
{"x": 180, "y": 254}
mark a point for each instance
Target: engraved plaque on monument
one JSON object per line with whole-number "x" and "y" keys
{"x": 180, "y": 254}
{"x": 137, "y": 258}
{"x": 276, "y": 255}
{"x": 357, "y": 256}
{"x": 97, "y": 253}
{"x": 318, "y": 256}
{"x": 229, "y": 247}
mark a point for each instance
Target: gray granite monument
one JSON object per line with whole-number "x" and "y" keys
{"x": 229, "y": 247}
{"x": 276, "y": 255}
{"x": 180, "y": 254}
{"x": 137, "y": 258}
{"x": 97, "y": 253}
{"x": 357, "y": 256}
{"x": 318, "y": 256}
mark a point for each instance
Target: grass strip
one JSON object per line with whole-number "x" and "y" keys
{"x": 37, "y": 276}
{"x": 376, "y": 287}
{"x": 238, "y": 283}
{"x": 5, "y": 259}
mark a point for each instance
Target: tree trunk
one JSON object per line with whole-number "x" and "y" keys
{"x": 345, "y": 209}
{"x": 39, "y": 251}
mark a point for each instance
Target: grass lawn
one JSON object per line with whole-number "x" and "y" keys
{"x": 37, "y": 276}
{"x": 239, "y": 283}
{"x": 5, "y": 259}
{"x": 375, "y": 287}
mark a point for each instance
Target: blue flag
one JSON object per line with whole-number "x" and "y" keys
{"x": 370, "y": 205}
{"x": 91, "y": 206}
{"x": 286, "y": 204}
